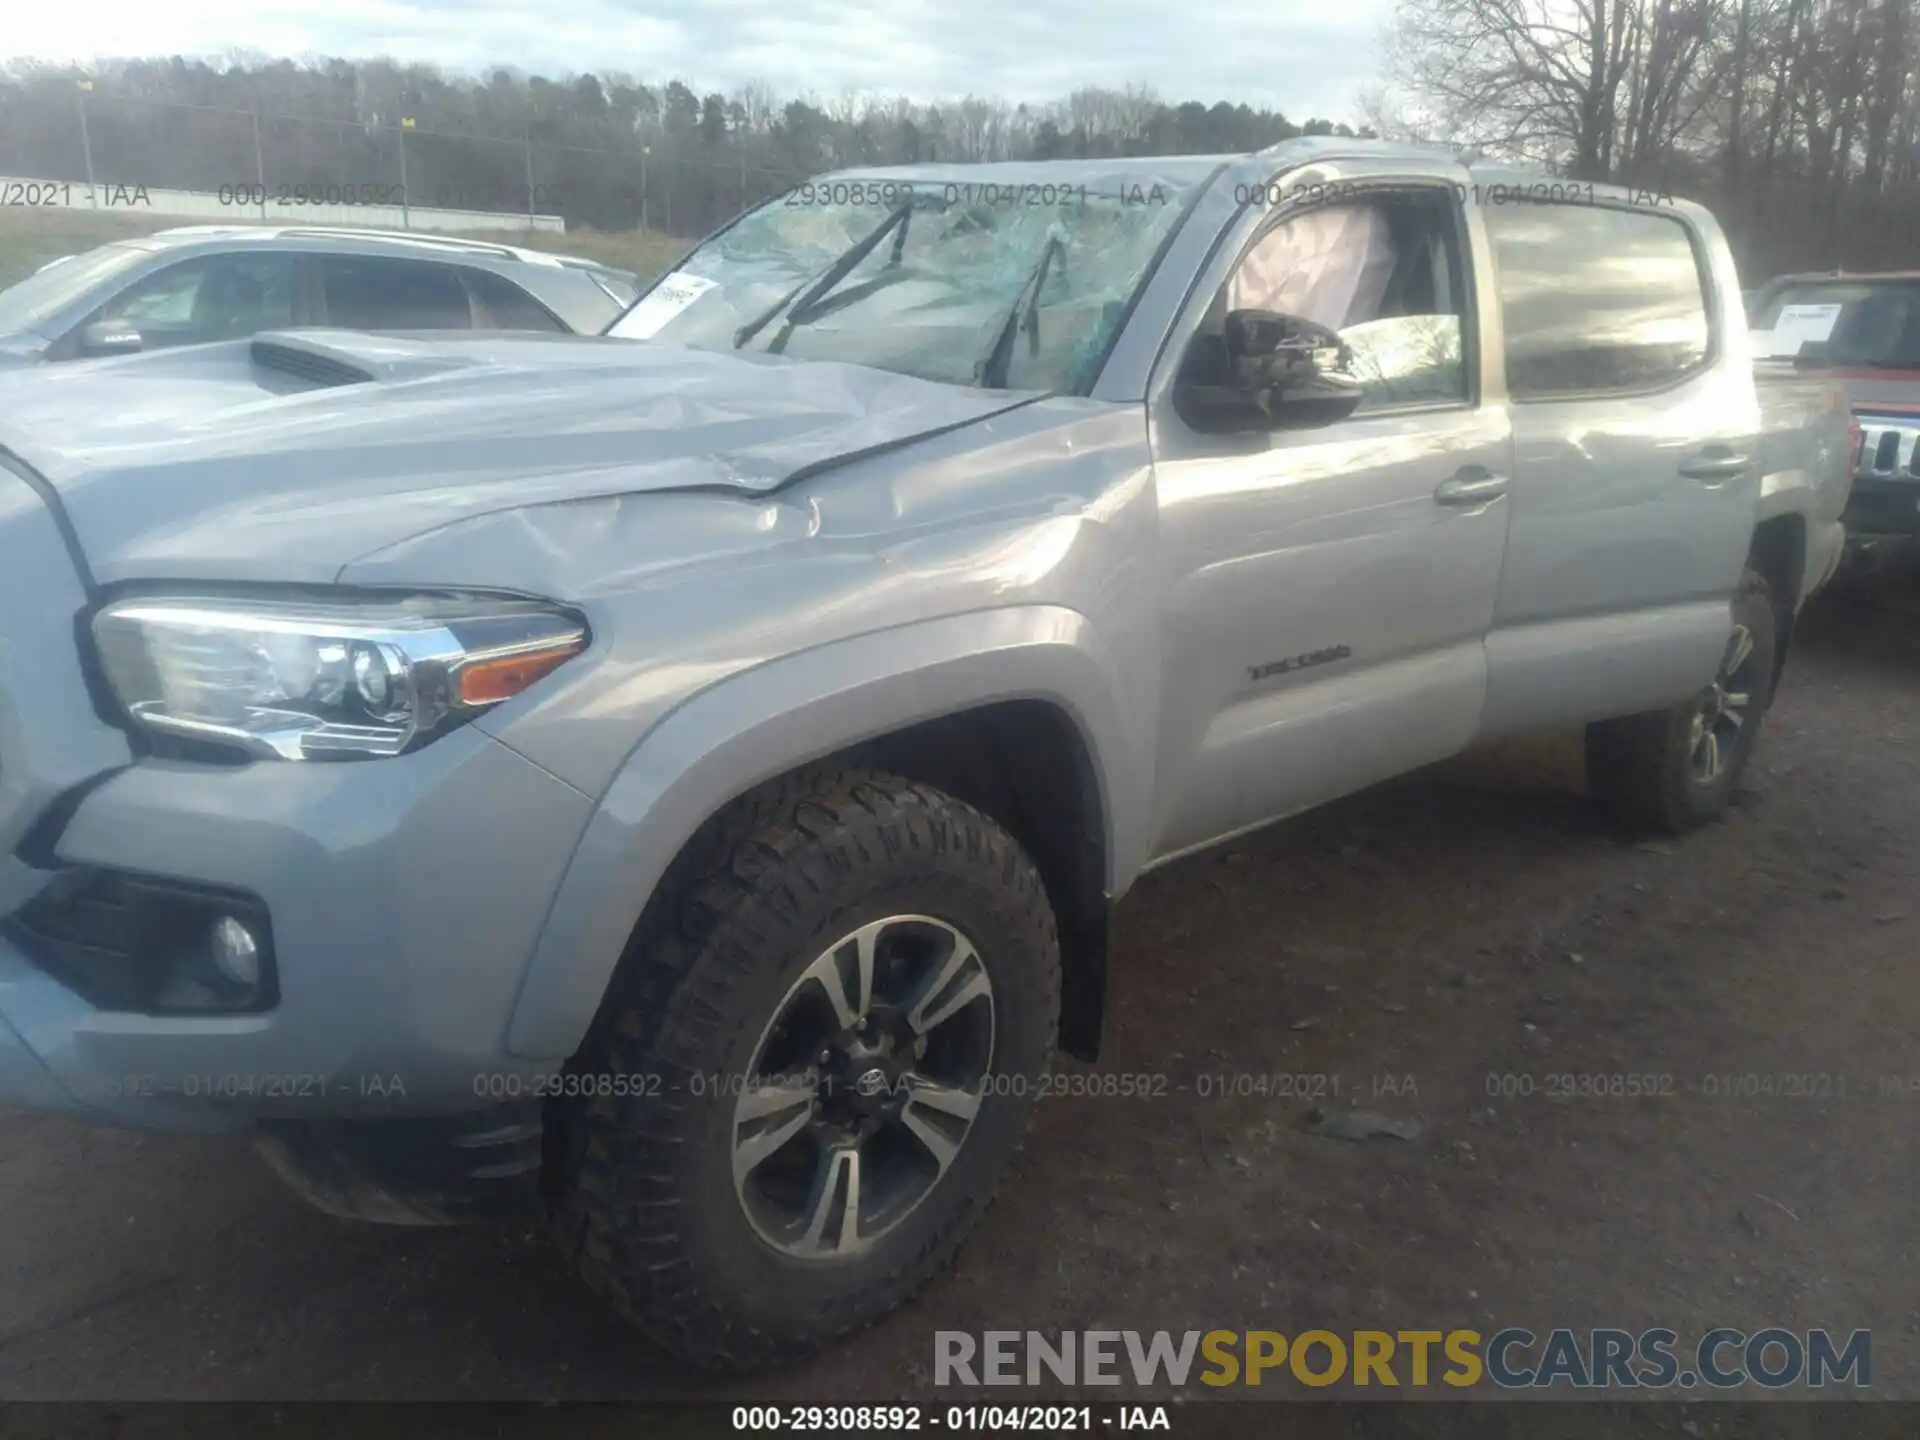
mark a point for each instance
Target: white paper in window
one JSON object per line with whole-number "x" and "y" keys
{"x": 663, "y": 302}
{"x": 1802, "y": 324}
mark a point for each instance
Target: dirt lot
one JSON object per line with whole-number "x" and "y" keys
{"x": 1468, "y": 923}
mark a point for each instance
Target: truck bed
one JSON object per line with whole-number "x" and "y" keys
{"x": 1806, "y": 429}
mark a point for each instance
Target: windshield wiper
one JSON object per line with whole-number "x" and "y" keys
{"x": 991, "y": 372}
{"x": 804, "y": 298}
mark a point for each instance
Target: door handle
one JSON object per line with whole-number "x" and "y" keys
{"x": 1716, "y": 462}
{"x": 1470, "y": 485}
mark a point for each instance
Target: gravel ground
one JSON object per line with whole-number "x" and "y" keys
{"x": 1474, "y": 921}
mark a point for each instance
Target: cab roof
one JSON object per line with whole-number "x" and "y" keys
{"x": 1251, "y": 165}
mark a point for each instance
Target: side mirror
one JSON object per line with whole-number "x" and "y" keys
{"x": 1299, "y": 372}
{"x": 110, "y": 337}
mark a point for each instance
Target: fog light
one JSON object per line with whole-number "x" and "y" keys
{"x": 236, "y": 954}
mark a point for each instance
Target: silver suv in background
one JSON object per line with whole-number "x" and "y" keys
{"x": 687, "y": 777}
{"x": 202, "y": 283}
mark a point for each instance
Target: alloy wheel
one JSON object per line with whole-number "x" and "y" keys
{"x": 1724, "y": 708}
{"x": 863, "y": 1087}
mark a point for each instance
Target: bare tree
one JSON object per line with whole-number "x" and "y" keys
{"x": 1798, "y": 119}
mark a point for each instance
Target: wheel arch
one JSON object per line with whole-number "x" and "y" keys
{"x": 1027, "y": 766}
{"x": 1016, "y": 711}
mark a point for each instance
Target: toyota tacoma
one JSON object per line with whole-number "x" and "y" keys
{"x": 681, "y": 779}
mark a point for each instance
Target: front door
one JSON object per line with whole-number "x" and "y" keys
{"x": 1328, "y": 591}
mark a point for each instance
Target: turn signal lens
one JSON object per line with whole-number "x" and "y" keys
{"x": 487, "y": 682}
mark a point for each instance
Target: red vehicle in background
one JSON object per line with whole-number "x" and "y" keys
{"x": 1863, "y": 332}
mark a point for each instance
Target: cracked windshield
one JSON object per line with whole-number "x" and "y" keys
{"x": 990, "y": 280}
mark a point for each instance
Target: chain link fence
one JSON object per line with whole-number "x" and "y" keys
{"x": 263, "y": 166}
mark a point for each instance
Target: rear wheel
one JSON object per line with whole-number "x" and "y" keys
{"x": 847, "y": 1011}
{"x": 1672, "y": 770}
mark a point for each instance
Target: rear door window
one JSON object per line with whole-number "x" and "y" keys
{"x": 508, "y": 306}
{"x": 370, "y": 294}
{"x": 1596, "y": 300}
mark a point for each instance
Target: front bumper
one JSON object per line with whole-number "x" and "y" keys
{"x": 428, "y": 1170}
{"x": 405, "y": 896}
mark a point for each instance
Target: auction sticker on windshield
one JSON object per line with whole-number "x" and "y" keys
{"x": 1799, "y": 324}
{"x": 662, "y": 303}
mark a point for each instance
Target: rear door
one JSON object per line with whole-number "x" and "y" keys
{"x": 360, "y": 292}
{"x": 1636, "y": 459}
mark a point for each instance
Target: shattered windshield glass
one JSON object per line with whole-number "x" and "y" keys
{"x": 1011, "y": 285}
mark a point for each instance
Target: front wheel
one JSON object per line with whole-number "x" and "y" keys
{"x": 841, "y": 1024}
{"x": 1672, "y": 770}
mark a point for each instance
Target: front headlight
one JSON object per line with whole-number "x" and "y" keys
{"x": 319, "y": 681}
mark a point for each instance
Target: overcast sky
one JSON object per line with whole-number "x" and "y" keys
{"x": 1306, "y": 57}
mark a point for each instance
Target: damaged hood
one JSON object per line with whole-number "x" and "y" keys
{"x": 289, "y": 456}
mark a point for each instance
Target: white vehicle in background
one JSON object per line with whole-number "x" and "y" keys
{"x": 200, "y": 283}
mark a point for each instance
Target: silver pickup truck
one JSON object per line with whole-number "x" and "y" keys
{"x": 683, "y": 779}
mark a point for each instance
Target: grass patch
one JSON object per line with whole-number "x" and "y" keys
{"x": 29, "y": 238}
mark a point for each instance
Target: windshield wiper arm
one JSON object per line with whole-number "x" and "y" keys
{"x": 991, "y": 372}
{"x": 804, "y": 296}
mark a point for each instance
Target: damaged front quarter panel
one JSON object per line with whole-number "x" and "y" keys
{"x": 1039, "y": 505}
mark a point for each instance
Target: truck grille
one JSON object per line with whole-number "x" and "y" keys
{"x": 1888, "y": 450}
